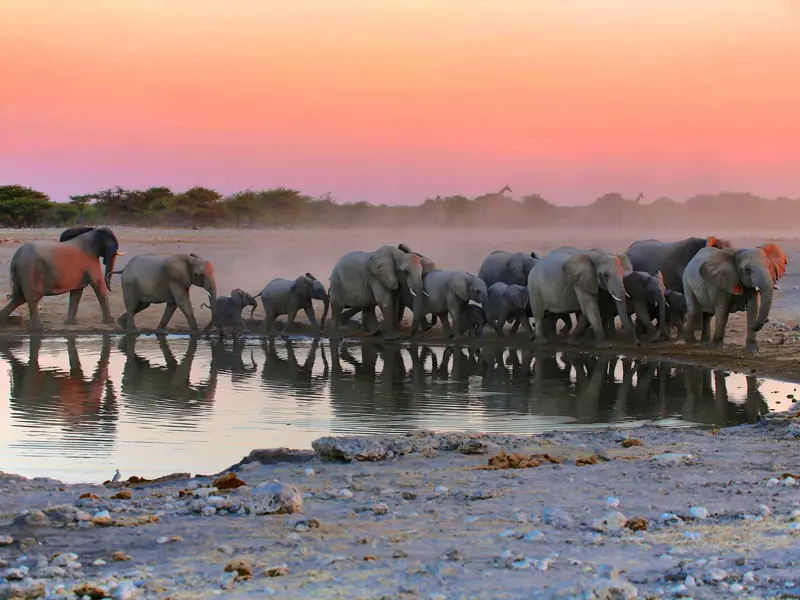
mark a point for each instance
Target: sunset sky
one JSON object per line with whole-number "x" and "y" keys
{"x": 398, "y": 100}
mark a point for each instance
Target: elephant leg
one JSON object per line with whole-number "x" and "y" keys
{"x": 369, "y": 322}
{"x": 720, "y": 322}
{"x": 169, "y": 310}
{"x": 184, "y": 303}
{"x": 643, "y": 317}
{"x": 290, "y": 317}
{"x": 591, "y": 312}
{"x": 539, "y": 336}
{"x": 101, "y": 293}
{"x": 35, "y": 323}
{"x": 751, "y": 344}
{"x": 568, "y": 326}
{"x": 705, "y": 335}
{"x": 579, "y": 331}
{"x": 312, "y": 318}
{"x": 454, "y": 309}
{"x": 448, "y": 331}
{"x": 388, "y": 312}
{"x": 336, "y": 321}
{"x": 72, "y": 311}
{"x": 525, "y": 322}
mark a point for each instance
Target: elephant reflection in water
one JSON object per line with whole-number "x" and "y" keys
{"x": 165, "y": 392}
{"x": 291, "y": 376}
{"x": 227, "y": 358}
{"x": 81, "y": 403}
{"x": 712, "y": 406}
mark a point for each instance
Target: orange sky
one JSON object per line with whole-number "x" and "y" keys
{"x": 397, "y": 100}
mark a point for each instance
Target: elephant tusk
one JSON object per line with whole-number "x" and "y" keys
{"x": 667, "y": 303}
{"x": 758, "y": 289}
{"x": 426, "y": 293}
{"x": 207, "y": 293}
{"x": 775, "y": 287}
{"x": 615, "y": 298}
{"x": 120, "y": 253}
{"x": 412, "y": 292}
{"x": 627, "y": 294}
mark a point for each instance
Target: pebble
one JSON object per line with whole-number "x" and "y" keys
{"x": 209, "y": 511}
{"x": 126, "y": 590}
{"x": 715, "y": 575}
{"x": 698, "y": 512}
{"x": 436, "y": 596}
{"x": 556, "y": 517}
{"x": 440, "y": 490}
{"x": 345, "y": 493}
{"x": 612, "y": 502}
{"x": 612, "y": 521}
{"x": 64, "y": 559}
{"x": 14, "y": 574}
{"x": 309, "y": 472}
{"x": 98, "y": 562}
{"x": 671, "y": 457}
{"x": 6, "y": 540}
{"x": 276, "y": 571}
{"x": 534, "y": 536}
{"x": 736, "y": 588}
{"x": 379, "y": 508}
{"x": 795, "y": 515}
{"x": 669, "y": 518}
{"x": 764, "y": 510}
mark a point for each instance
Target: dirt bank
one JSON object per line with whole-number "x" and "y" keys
{"x": 647, "y": 512}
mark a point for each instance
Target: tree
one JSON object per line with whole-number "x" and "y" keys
{"x": 22, "y": 206}
{"x": 241, "y": 205}
{"x": 81, "y": 201}
{"x": 199, "y": 204}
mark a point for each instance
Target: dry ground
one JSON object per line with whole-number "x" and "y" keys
{"x": 249, "y": 259}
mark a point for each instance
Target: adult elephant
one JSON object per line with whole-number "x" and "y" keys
{"x": 569, "y": 281}
{"x": 286, "y": 297}
{"x": 362, "y": 280}
{"x": 507, "y": 303}
{"x": 671, "y": 258}
{"x": 717, "y": 282}
{"x": 47, "y": 268}
{"x": 511, "y": 268}
{"x": 449, "y": 292}
{"x": 645, "y": 293}
{"x": 158, "y": 279}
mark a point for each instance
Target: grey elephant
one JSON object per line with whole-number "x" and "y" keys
{"x": 671, "y": 258}
{"x": 363, "y": 280}
{"x": 569, "y": 281}
{"x": 676, "y": 312}
{"x": 645, "y": 293}
{"x": 508, "y": 303}
{"x": 49, "y": 268}
{"x": 229, "y": 311}
{"x": 286, "y": 297}
{"x": 449, "y": 293}
{"x": 511, "y": 268}
{"x": 717, "y": 282}
{"x": 165, "y": 279}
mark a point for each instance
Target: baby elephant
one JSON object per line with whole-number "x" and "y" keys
{"x": 286, "y": 297}
{"x": 229, "y": 311}
{"x": 508, "y": 303}
{"x": 675, "y": 310}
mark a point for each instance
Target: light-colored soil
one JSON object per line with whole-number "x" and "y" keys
{"x": 249, "y": 259}
{"x": 432, "y": 523}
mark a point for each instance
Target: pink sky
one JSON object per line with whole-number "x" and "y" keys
{"x": 398, "y": 100}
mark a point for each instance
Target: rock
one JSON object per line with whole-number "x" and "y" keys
{"x": 102, "y": 518}
{"x": 209, "y": 511}
{"x": 795, "y": 515}
{"x": 764, "y": 510}
{"x": 534, "y": 536}
{"x": 205, "y": 492}
{"x": 52, "y": 572}
{"x": 98, "y": 562}
{"x": 14, "y": 574}
{"x": 612, "y": 521}
{"x": 120, "y": 556}
{"x": 65, "y": 515}
{"x": 406, "y": 495}
{"x": 226, "y": 549}
{"x": 27, "y": 589}
{"x": 350, "y": 448}
{"x": 123, "y": 495}
{"x": 556, "y": 517}
{"x": 32, "y": 518}
{"x": 276, "y": 571}
{"x": 440, "y": 490}
{"x": 772, "y": 482}
{"x": 698, "y": 512}
{"x": 126, "y": 590}
{"x": 669, "y": 457}
{"x": 612, "y": 502}
{"x": 344, "y": 493}
{"x": 473, "y": 446}
{"x": 275, "y": 498}
{"x": 671, "y": 519}
{"x": 6, "y": 540}
{"x": 631, "y": 442}
{"x": 636, "y": 524}
{"x": 242, "y": 568}
{"x": 736, "y": 588}
{"x": 62, "y": 560}
{"x": 481, "y": 494}
{"x": 309, "y": 472}
{"x": 715, "y": 575}
{"x": 168, "y": 540}
{"x": 379, "y": 509}
{"x": 229, "y": 481}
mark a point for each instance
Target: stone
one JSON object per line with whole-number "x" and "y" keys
{"x": 98, "y": 562}
{"x": 440, "y": 490}
{"x": 669, "y": 518}
{"x": 473, "y": 446}
{"x": 379, "y": 509}
{"x": 209, "y": 511}
{"x": 671, "y": 457}
{"x": 32, "y": 518}
{"x": 276, "y": 571}
{"x": 241, "y": 567}
{"x": 344, "y": 493}
{"x": 636, "y": 524}
{"x": 698, "y": 512}
{"x": 612, "y": 502}
{"x": 120, "y": 556}
{"x": 556, "y": 517}
{"x": 126, "y": 590}
{"x": 123, "y": 495}
{"x": 795, "y": 515}
{"x": 6, "y": 540}
{"x": 14, "y": 574}
{"x": 102, "y": 518}
{"x": 612, "y": 521}
{"x": 64, "y": 559}
{"x": 275, "y": 498}
{"x": 27, "y": 589}
{"x": 229, "y": 481}
{"x": 349, "y": 448}
{"x": 309, "y": 472}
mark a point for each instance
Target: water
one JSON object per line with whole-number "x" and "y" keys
{"x": 77, "y": 408}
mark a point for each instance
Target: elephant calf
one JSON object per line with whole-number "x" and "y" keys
{"x": 286, "y": 297}
{"x": 508, "y": 303}
{"x": 449, "y": 293}
{"x": 229, "y": 311}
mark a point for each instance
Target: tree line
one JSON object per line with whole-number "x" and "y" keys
{"x": 198, "y": 207}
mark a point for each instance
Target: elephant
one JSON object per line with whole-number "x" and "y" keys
{"x": 507, "y": 267}
{"x": 507, "y": 303}
{"x": 157, "y": 279}
{"x": 646, "y": 293}
{"x": 717, "y": 282}
{"x": 229, "y": 311}
{"x": 475, "y": 319}
{"x": 569, "y": 281}
{"x": 449, "y": 292}
{"x": 363, "y": 280}
{"x": 286, "y": 297}
{"x": 670, "y": 258}
{"x": 676, "y": 312}
{"x": 48, "y": 268}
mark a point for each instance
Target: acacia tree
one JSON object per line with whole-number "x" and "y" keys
{"x": 241, "y": 205}
{"x": 22, "y": 206}
{"x": 198, "y": 203}
{"x": 81, "y": 201}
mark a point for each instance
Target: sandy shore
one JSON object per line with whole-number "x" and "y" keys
{"x": 647, "y": 512}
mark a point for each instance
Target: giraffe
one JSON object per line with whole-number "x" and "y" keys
{"x": 489, "y": 203}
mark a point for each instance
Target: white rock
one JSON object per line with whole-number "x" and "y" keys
{"x": 209, "y": 511}
{"x": 764, "y": 510}
{"x": 612, "y": 502}
{"x": 773, "y": 481}
{"x": 126, "y": 590}
{"x": 736, "y": 588}
{"x": 226, "y": 549}
{"x": 440, "y": 490}
{"x": 6, "y": 540}
{"x": 748, "y": 577}
{"x": 162, "y": 539}
{"x": 534, "y": 536}
{"x": 344, "y": 493}
{"x": 612, "y": 521}
{"x": 14, "y": 574}
{"x": 309, "y": 472}
{"x": 98, "y": 562}
{"x": 689, "y": 581}
{"x": 275, "y": 498}
{"x": 52, "y": 572}
{"x": 669, "y": 518}
{"x": 204, "y": 492}
{"x": 64, "y": 559}
{"x": 795, "y": 515}
{"x": 789, "y": 481}
{"x": 699, "y": 512}
{"x": 671, "y": 457}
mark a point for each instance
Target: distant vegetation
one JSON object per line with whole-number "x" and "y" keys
{"x": 280, "y": 207}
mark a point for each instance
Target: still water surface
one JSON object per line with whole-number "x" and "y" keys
{"x": 77, "y": 408}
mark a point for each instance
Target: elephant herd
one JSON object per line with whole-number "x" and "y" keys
{"x": 662, "y": 285}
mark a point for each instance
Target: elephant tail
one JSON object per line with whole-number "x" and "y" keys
{"x": 110, "y": 275}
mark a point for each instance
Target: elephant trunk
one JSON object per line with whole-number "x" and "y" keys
{"x": 416, "y": 286}
{"x": 109, "y": 261}
{"x": 617, "y": 291}
{"x": 210, "y": 286}
{"x": 662, "y": 316}
{"x": 766, "y": 302}
{"x": 326, "y": 303}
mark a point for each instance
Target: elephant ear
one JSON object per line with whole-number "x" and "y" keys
{"x": 382, "y": 265}
{"x": 715, "y": 242}
{"x": 626, "y": 262}
{"x": 177, "y": 269}
{"x": 458, "y": 285}
{"x": 580, "y": 271}
{"x": 427, "y": 264}
{"x": 516, "y": 268}
{"x": 719, "y": 270}
{"x": 777, "y": 259}
{"x": 239, "y": 297}
{"x": 310, "y": 276}
{"x": 636, "y": 285}
{"x": 516, "y": 297}
{"x": 73, "y": 232}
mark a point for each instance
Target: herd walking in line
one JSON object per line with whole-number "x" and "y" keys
{"x": 653, "y": 288}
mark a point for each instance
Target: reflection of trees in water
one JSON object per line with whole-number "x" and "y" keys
{"x": 84, "y": 407}
{"x": 155, "y": 393}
